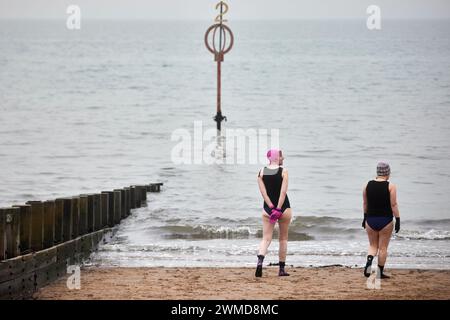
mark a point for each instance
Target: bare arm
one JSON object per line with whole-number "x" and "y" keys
{"x": 394, "y": 204}
{"x": 262, "y": 189}
{"x": 365, "y": 206}
{"x": 284, "y": 187}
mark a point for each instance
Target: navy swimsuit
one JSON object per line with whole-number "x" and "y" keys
{"x": 273, "y": 179}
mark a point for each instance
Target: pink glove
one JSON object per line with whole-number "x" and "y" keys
{"x": 276, "y": 214}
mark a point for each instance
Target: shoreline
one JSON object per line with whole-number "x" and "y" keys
{"x": 218, "y": 283}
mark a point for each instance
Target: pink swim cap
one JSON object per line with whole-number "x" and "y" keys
{"x": 273, "y": 154}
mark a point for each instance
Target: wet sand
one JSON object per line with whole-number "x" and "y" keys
{"x": 240, "y": 284}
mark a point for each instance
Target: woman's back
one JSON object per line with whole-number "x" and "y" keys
{"x": 378, "y": 198}
{"x": 273, "y": 178}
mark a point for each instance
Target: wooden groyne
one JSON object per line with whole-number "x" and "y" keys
{"x": 40, "y": 239}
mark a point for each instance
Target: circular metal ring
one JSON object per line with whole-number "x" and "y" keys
{"x": 224, "y": 29}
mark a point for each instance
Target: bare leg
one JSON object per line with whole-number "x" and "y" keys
{"x": 284, "y": 229}
{"x": 373, "y": 249}
{"x": 267, "y": 234}
{"x": 283, "y": 223}
{"x": 373, "y": 240}
{"x": 383, "y": 243}
{"x": 265, "y": 242}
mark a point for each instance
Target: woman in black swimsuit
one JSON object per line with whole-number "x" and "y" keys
{"x": 380, "y": 207}
{"x": 273, "y": 184}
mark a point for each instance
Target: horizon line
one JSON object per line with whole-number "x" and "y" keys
{"x": 211, "y": 20}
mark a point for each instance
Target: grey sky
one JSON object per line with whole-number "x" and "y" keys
{"x": 239, "y": 9}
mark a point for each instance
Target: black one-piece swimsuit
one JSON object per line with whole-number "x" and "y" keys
{"x": 273, "y": 179}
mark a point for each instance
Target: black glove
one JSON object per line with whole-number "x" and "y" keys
{"x": 364, "y": 221}
{"x": 397, "y": 224}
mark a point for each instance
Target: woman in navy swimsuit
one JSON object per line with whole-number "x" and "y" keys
{"x": 380, "y": 206}
{"x": 273, "y": 184}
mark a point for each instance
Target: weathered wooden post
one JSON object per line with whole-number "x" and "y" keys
{"x": 37, "y": 225}
{"x": 67, "y": 219}
{"x": 49, "y": 223}
{"x": 137, "y": 196}
{"x": 123, "y": 207}
{"x": 133, "y": 197}
{"x": 128, "y": 200}
{"x": 110, "y": 207}
{"x": 97, "y": 211}
{"x": 143, "y": 195}
{"x": 90, "y": 213}
{"x": 104, "y": 209}
{"x": 2, "y": 234}
{"x": 25, "y": 228}
{"x": 154, "y": 187}
{"x": 75, "y": 217}
{"x": 12, "y": 222}
{"x": 127, "y": 194}
{"x": 117, "y": 206}
{"x": 83, "y": 209}
{"x": 59, "y": 213}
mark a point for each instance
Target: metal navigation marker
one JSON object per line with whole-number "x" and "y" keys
{"x": 219, "y": 40}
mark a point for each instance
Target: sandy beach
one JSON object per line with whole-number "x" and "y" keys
{"x": 240, "y": 284}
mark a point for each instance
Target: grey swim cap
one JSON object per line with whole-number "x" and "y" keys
{"x": 383, "y": 169}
